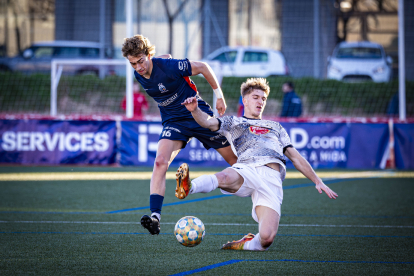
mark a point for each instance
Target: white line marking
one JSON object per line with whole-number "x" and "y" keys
{"x": 217, "y": 224}
{"x": 73, "y": 176}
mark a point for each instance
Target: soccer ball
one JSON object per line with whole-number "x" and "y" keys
{"x": 189, "y": 231}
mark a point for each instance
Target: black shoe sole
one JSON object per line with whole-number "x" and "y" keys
{"x": 147, "y": 223}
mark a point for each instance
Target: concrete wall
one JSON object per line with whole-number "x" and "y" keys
{"x": 79, "y": 20}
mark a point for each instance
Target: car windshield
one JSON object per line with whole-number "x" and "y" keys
{"x": 255, "y": 57}
{"x": 359, "y": 53}
{"x": 75, "y": 52}
{"x": 226, "y": 57}
{"x": 42, "y": 52}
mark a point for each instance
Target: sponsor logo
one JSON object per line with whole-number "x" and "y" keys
{"x": 204, "y": 155}
{"x": 173, "y": 128}
{"x": 300, "y": 139}
{"x": 162, "y": 88}
{"x": 183, "y": 65}
{"x": 148, "y": 135}
{"x": 45, "y": 141}
{"x": 216, "y": 137}
{"x": 169, "y": 100}
{"x": 318, "y": 149}
{"x": 258, "y": 130}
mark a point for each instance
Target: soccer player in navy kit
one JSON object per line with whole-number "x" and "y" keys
{"x": 167, "y": 82}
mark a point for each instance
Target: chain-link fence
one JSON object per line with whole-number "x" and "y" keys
{"x": 331, "y": 79}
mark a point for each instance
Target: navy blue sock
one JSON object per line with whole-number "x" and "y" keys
{"x": 156, "y": 203}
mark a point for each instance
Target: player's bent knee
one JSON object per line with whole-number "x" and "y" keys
{"x": 161, "y": 162}
{"x": 266, "y": 244}
{"x": 266, "y": 240}
{"x": 225, "y": 179}
{"x": 222, "y": 177}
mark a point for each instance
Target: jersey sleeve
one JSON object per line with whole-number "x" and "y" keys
{"x": 225, "y": 124}
{"x": 174, "y": 68}
{"x": 284, "y": 138}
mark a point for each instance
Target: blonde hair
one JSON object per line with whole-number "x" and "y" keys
{"x": 254, "y": 83}
{"x": 136, "y": 45}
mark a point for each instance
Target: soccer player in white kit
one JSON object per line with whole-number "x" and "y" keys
{"x": 260, "y": 169}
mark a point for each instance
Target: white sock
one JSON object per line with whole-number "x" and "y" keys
{"x": 204, "y": 184}
{"x": 254, "y": 244}
{"x": 157, "y": 215}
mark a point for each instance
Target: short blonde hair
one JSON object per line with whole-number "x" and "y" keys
{"x": 136, "y": 45}
{"x": 254, "y": 83}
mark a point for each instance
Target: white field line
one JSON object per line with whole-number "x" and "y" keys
{"x": 51, "y": 176}
{"x": 216, "y": 224}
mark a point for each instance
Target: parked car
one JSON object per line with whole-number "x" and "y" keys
{"x": 249, "y": 61}
{"x": 359, "y": 61}
{"x": 37, "y": 58}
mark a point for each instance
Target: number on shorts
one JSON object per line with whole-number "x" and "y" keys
{"x": 166, "y": 133}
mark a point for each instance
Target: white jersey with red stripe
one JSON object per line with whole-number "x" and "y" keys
{"x": 256, "y": 142}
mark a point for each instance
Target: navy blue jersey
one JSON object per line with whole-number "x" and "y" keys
{"x": 169, "y": 85}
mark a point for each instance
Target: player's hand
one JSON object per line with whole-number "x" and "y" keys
{"x": 221, "y": 106}
{"x": 322, "y": 187}
{"x": 191, "y": 103}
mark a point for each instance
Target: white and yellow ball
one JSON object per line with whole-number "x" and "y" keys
{"x": 189, "y": 231}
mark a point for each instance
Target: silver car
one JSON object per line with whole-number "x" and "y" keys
{"x": 37, "y": 58}
{"x": 359, "y": 61}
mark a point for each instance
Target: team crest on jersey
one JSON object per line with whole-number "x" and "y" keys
{"x": 258, "y": 130}
{"x": 162, "y": 88}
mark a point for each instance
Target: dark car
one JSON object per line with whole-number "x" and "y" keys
{"x": 37, "y": 58}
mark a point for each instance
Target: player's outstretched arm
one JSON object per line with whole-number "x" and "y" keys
{"x": 202, "y": 118}
{"x": 199, "y": 67}
{"x": 305, "y": 168}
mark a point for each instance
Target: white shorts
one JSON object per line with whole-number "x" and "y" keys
{"x": 262, "y": 184}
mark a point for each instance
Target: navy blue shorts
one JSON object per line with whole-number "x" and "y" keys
{"x": 187, "y": 129}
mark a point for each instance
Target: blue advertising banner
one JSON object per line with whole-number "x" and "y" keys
{"x": 57, "y": 142}
{"x": 139, "y": 143}
{"x": 404, "y": 146}
{"x": 324, "y": 145}
{"x": 339, "y": 145}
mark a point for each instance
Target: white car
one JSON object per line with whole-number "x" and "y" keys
{"x": 248, "y": 61}
{"x": 359, "y": 61}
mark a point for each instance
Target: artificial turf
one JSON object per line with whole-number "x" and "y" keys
{"x": 81, "y": 227}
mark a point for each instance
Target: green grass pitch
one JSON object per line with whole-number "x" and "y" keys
{"x": 91, "y": 227}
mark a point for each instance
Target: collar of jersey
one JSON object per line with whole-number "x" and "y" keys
{"x": 250, "y": 118}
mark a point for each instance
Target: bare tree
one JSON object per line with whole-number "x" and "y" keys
{"x": 16, "y": 10}
{"x": 384, "y": 7}
{"x": 36, "y": 9}
{"x": 5, "y": 10}
{"x": 171, "y": 18}
{"x": 39, "y": 9}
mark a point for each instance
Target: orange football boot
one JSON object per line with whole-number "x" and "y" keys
{"x": 238, "y": 245}
{"x": 183, "y": 181}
